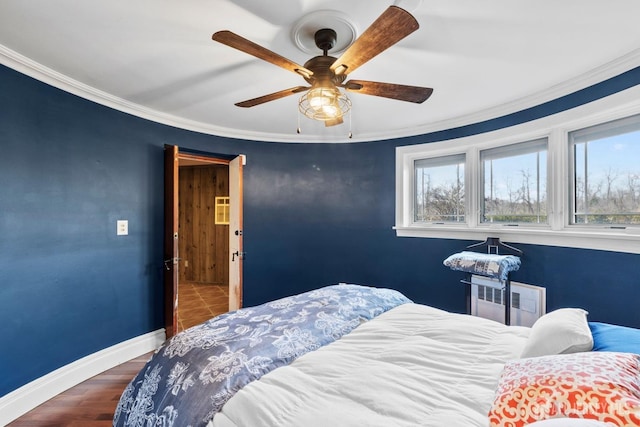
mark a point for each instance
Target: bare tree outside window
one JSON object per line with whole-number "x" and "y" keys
{"x": 606, "y": 173}
{"x": 439, "y": 189}
{"x": 514, "y": 183}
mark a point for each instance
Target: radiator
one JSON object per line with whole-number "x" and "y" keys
{"x": 528, "y": 302}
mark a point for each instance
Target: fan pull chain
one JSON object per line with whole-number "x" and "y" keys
{"x": 350, "y": 127}
{"x": 298, "y": 130}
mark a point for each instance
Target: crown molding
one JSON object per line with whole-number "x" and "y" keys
{"x": 590, "y": 78}
{"x": 44, "y": 74}
{"x": 58, "y": 80}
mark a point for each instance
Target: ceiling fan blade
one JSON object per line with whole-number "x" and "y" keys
{"x": 392, "y": 26}
{"x": 271, "y": 97}
{"x": 247, "y": 46}
{"x": 415, "y": 94}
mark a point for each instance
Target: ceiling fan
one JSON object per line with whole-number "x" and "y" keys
{"x": 323, "y": 100}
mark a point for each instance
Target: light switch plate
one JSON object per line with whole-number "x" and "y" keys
{"x": 122, "y": 227}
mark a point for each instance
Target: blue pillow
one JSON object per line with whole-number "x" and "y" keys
{"x": 607, "y": 337}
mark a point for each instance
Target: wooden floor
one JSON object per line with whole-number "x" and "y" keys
{"x": 93, "y": 402}
{"x": 89, "y": 404}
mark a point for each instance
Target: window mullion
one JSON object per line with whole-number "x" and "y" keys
{"x": 557, "y": 194}
{"x": 472, "y": 183}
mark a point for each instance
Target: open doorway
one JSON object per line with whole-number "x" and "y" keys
{"x": 203, "y": 237}
{"x": 203, "y": 246}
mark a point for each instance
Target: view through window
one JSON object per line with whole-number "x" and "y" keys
{"x": 439, "y": 189}
{"x": 606, "y": 173}
{"x": 571, "y": 180}
{"x": 514, "y": 183}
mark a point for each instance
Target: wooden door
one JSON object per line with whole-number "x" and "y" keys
{"x": 170, "y": 239}
{"x": 171, "y": 253}
{"x": 236, "y": 254}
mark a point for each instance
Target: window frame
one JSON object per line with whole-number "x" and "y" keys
{"x": 446, "y": 161}
{"x": 602, "y": 128}
{"x": 519, "y": 148}
{"x": 559, "y": 231}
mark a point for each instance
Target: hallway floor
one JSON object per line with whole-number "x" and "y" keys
{"x": 199, "y": 302}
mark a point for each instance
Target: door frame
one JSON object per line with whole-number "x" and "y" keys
{"x": 174, "y": 158}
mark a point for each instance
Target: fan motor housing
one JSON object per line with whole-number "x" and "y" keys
{"x": 325, "y": 39}
{"x": 321, "y": 67}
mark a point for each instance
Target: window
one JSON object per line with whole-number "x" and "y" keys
{"x": 605, "y": 173}
{"x": 439, "y": 189}
{"x": 222, "y": 210}
{"x": 514, "y": 183}
{"x": 571, "y": 180}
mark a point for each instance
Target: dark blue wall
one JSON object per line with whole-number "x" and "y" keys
{"x": 315, "y": 214}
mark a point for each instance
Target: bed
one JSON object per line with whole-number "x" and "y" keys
{"x": 351, "y": 355}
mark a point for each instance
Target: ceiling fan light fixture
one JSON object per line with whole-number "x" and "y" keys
{"x": 324, "y": 103}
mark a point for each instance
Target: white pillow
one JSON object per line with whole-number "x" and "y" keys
{"x": 559, "y": 332}
{"x": 569, "y": 422}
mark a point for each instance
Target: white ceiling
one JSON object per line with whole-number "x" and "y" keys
{"x": 156, "y": 59}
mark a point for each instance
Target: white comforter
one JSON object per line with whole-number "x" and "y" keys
{"x": 412, "y": 366}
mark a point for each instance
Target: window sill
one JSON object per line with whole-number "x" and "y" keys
{"x": 616, "y": 240}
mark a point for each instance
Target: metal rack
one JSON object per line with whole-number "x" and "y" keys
{"x": 493, "y": 245}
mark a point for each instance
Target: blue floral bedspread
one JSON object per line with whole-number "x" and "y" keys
{"x": 194, "y": 373}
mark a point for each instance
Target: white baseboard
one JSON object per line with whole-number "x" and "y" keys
{"x": 27, "y": 397}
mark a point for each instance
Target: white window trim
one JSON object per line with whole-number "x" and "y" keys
{"x": 558, "y": 232}
{"x": 481, "y": 182}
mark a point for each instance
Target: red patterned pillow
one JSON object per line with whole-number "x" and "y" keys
{"x": 603, "y": 386}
